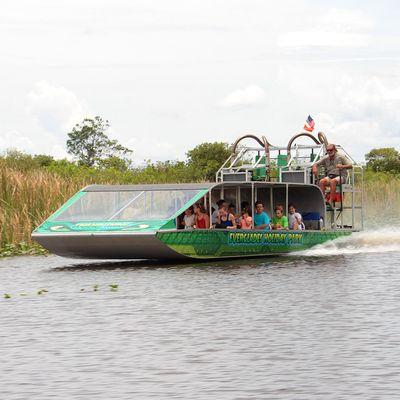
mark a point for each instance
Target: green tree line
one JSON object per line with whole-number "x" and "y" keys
{"x": 386, "y": 159}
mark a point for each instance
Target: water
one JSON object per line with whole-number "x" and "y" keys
{"x": 323, "y": 324}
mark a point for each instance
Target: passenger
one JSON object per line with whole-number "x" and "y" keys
{"x": 220, "y": 203}
{"x": 335, "y": 165}
{"x": 179, "y": 221}
{"x": 295, "y": 219}
{"x": 202, "y": 220}
{"x": 246, "y": 222}
{"x": 225, "y": 220}
{"x": 245, "y": 205}
{"x": 280, "y": 221}
{"x": 189, "y": 220}
{"x": 232, "y": 210}
{"x": 261, "y": 218}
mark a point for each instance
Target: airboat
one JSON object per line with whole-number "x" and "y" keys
{"x": 142, "y": 221}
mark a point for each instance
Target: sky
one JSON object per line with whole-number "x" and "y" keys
{"x": 170, "y": 75}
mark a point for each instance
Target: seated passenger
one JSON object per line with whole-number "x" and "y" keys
{"x": 220, "y": 203}
{"x": 280, "y": 221}
{"x": 179, "y": 221}
{"x": 189, "y": 219}
{"x": 245, "y": 205}
{"x": 202, "y": 220}
{"x": 295, "y": 219}
{"x": 261, "y": 218}
{"x": 246, "y": 222}
{"x": 225, "y": 220}
{"x": 232, "y": 210}
{"x": 237, "y": 215}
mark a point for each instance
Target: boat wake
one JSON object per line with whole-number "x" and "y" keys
{"x": 372, "y": 241}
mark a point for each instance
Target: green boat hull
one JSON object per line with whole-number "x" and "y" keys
{"x": 205, "y": 244}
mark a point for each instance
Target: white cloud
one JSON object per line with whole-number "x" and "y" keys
{"x": 53, "y": 111}
{"x": 55, "y": 108}
{"x": 160, "y": 150}
{"x": 250, "y": 96}
{"x": 345, "y": 20}
{"x": 35, "y": 143}
{"x": 336, "y": 28}
{"x": 16, "y": 140}
{"x": 366, "y": 114}
{"x": 321, "y": 39}
{"x": 358, "y": 137}
{"x": 58, "y": 151}
{"x": 364, "y": 97}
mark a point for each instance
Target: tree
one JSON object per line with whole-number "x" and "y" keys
{"x": 385, "y": 159}
{"x": 207, "y": 158}
{"x": 89, "y": 143}
{"x": 19, "y": 160}
{"x": 117, "y": 163}
{"x": 43, "y": 160}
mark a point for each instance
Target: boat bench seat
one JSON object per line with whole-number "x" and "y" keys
{"x": 311, "y": 220}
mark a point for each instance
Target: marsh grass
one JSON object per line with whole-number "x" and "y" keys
{"x": 27, "y": 198}
{"x": 382, "y": 200}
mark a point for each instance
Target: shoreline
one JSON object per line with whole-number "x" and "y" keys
{"x": 22, "y": 249}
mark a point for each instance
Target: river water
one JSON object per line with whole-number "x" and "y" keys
{"x": 322, "y": 324}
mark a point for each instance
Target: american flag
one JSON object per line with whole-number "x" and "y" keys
{"x": 309, "y": 125}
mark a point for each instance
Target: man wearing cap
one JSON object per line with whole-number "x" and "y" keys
{"x": 336, "y": 166}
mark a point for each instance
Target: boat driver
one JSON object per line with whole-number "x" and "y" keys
{"x": 336, "y": 165}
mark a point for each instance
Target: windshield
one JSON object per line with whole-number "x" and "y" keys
{"x": 127, "y": 205}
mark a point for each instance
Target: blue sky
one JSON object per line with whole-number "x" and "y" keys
{"x": 169, "y": 75}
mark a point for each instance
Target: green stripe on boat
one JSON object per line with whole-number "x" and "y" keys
{"x": 239, "y": 243}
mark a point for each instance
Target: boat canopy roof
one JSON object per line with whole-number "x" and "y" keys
{"x": 113, "y": 208}
{"x": 183, "y": 186}
{"x": 151, "y": 187}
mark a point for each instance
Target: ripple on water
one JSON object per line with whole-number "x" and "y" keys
{"x": 306, "y": 327}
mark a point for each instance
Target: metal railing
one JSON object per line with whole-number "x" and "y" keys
{"x": 299, "y": 165}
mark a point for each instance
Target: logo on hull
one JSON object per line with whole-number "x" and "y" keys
{"x": 264, "y": 238}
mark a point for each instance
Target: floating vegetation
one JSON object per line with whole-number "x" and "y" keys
{"x": 113, "y": 287}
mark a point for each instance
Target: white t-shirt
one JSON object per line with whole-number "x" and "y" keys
{"x": 292, "y": 218}
{"x": 189, "y": 221}
{"x": 214, "y": 216}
